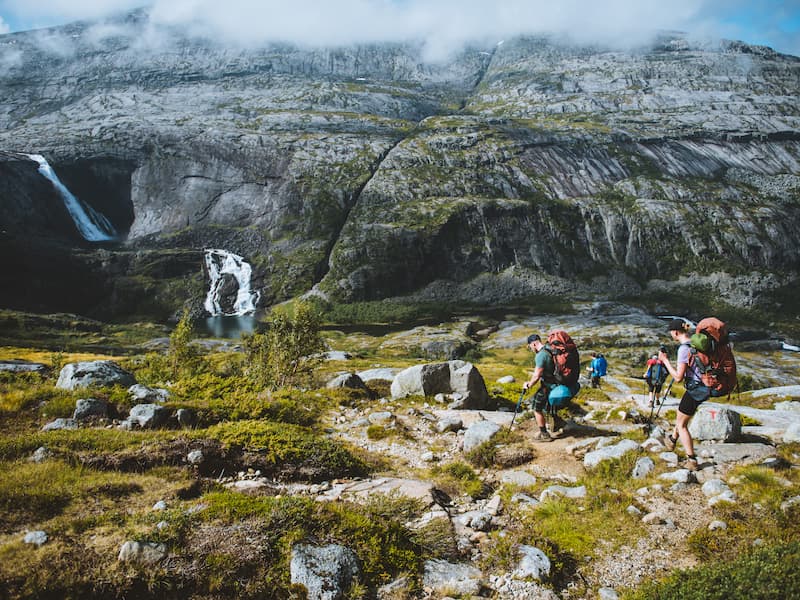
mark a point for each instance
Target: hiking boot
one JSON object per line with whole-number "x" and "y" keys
{"x": 558, "y": 423}
{"x": 691, "y": 464}
{"x": 543, "y": 436}
{"x": 669, "y": 443}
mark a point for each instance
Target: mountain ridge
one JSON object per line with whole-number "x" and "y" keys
{"x": 366, "y": 173}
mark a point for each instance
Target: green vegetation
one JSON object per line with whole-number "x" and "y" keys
{"x": 286, "y": 354}
{"x": 765, "y": 573}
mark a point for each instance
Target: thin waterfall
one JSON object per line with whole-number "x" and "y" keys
{"x": 92, "y": 225}
{"x": 218, "y": 264}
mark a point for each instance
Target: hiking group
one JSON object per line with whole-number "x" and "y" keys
{"x": 704, "y": 364}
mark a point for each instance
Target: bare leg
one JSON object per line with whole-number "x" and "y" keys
{"x": 540, "y": 420}
{"x": 682, "y": 432}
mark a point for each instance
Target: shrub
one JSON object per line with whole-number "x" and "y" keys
{"x": 183, "y": 358}
{"x": 767, "y": 574}
{"x": 293, "y": 450}
{"x": 287, "y": 353}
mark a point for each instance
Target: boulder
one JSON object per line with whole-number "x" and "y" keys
{"x": 37, "y": 538}
{"x": 715, "y": 423}
{"x": 448, "y": 579}
{"x": 61, "y": 424}
{"x": 347, "y": 380}
{"x": 325, "y": 571}
{"x": 142, "y": 552}
{"x": 386, "y": 374}
{"x": 186, "y": 417}
{"x": 142, "y": 394}
{"x": 592, "y": 459}
{"x": 533, "y": 563}
{"x": 23, "y": 366}
{"x": 93, "y": 373}
{"x": 90, "y": 408}
{"x": 560, "y": 491}
{"x": 449, "y": 424}
{"x": 452, "y": 377}
{"x": 147, "y": 416}
{"x": 644, "y": 466}
{"x": 478, "y": 433}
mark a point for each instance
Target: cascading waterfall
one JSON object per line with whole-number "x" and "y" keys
{"x": 92, "y": 225}
{"x": 218, "y": 264}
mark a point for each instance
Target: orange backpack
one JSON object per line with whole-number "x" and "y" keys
{"x": 565, "y": 356}
{"x": 716, "y": 364}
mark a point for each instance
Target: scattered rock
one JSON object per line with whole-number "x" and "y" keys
{"x": 555, "y": 491}
{"x": 325, "y": 571}
{"x": 479, "y": 433}
{"x": 449, "y": 424}
{"x": 147, "y": 416}
{"x": 146, "y": 553}
{"x": 592, "y": 459}
{"x": 446, "y": 578}
{"x": 347, "y": 380}
{"x": 142, "y": 394}
{"x": 533, "y": 563}
{"x": 37, "y": 538}
{"x": 195, "y": 457}
{"x": 186, "y": 418}
{"x": 714, "y": 487}
{"x": 385, "y": 374}
{"x": 380, "y": 418}
{"x": 90, "y": 408}
{"x": 518, "y": 478}
{"x": 644, "y": 466}
{"x": 61, "y": 424}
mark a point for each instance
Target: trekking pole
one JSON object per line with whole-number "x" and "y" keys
{"x": 521, "y": 396}
{"x": 664, "y": 397}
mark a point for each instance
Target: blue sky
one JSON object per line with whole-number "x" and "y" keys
{"x": 768, "y": 22}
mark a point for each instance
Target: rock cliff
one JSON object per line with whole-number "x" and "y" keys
{"x": 530, "y": 167}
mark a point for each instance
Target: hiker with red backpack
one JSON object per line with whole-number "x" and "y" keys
{"x": 706, "y": 365}
{"x": 557, "y": 368}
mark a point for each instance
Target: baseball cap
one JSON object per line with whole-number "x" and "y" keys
{"x": 534, "y": 338}
{"x": 677, "y": 325}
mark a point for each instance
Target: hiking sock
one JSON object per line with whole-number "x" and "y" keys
{"x": 691, "y": 457}
{"x": 543, "y": 429}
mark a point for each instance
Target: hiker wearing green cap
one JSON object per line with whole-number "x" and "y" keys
{"x": 696, "y": 393}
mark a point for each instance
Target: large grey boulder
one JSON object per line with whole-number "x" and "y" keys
{"x": 325, "y": 571}
{"x": 717, "y": 424}
{"x": 456, "y": 377}
{"x": 93, "y": 373}
{"x": 533, "y": 563}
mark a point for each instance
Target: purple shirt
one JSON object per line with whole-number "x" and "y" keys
{"x": 692, "y": 372}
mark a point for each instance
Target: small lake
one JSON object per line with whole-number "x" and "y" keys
{"x": 229, "y": 327}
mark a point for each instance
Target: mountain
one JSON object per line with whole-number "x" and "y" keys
{"x": 527, "y": 168}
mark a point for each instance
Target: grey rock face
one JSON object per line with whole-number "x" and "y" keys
{"x": 93, "y": 373}
{"x": 325, "y": 571}
{"x": 343, "y": 169}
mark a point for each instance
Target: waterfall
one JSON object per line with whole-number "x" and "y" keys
{"x": 222, "y": 262}
{"x": 92, "y": 225}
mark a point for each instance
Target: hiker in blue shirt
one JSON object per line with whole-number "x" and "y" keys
{"x": 597, "y": 368}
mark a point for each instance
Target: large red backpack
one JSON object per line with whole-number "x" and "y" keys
{"x": 714, "y": 356}
{"x": 565, "y": 356}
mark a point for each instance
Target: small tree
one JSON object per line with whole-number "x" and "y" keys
{"x": 182, "y": 356}
{"x": 286, "y": 354}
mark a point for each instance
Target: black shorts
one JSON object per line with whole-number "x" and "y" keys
{"x": 654, "y": 387}
{"x": 696, "y": 394}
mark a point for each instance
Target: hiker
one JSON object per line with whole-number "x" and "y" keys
{"x": 696, "y": 392}
{"x": 597, "y": 368}
{"x": 655, "y": 376}
{"x": 544, "y": 373}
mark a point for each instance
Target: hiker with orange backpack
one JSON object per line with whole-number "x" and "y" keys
{"x": 706, "y": 365}
{"x": 557, "y": 368}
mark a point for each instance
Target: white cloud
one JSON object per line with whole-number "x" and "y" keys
{"x": 442, "y": 24}
{"x": 4, "y": 28}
